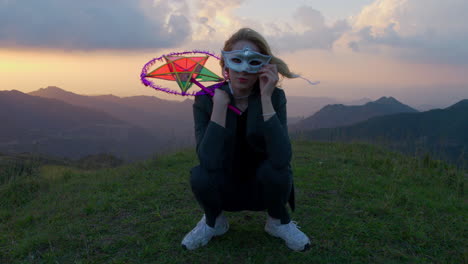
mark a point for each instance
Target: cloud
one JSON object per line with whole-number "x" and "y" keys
{"x": 307, "y": 31}
{"x": 427, "y": 31}
{"x": 216, "y": 20}
{"x": 153, "y": 24}
{"x": 415, "y": 30}
{"x": 310, "y": 18}
{"x": 93, "y": 25}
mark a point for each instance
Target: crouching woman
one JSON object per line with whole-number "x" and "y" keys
{"x": 244, "y": 159}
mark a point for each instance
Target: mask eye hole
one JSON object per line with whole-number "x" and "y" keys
{"x": 236, "y": 60}
{"x": 255, "y": 63}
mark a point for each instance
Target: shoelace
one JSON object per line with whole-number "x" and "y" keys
{"x": 295, "y": 224}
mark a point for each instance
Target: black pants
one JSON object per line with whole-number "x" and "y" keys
{"x": 258, "y": 189}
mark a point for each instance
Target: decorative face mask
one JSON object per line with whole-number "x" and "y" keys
{"x": 245, "y": 60}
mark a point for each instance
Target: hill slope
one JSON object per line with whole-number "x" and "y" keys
{"x": 49, "y": 126}
{"x": 168, "y": 120}
{"x": 341, "y": 115}
{"x": 360, "y": 204}
{"x": 443, "y": 132}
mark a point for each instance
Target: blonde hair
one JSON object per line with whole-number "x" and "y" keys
{"x": 255, "y": 37}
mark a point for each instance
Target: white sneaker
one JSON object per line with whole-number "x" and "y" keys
{"x": 202, "y": 233}
{"x": 295, "y": 239}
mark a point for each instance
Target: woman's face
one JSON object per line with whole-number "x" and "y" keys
{"x": 242, "y": 81}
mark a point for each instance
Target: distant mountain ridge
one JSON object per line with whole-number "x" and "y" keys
{"x": 168, "y": 120}
{"x": 53, "y": 127}
{"x": 303, "y": 106}
{"x": 342, "y": 115}
{"x": 442, "y": 132}
{"x": 65, "y": 124}
{"x": 299, "y": 107}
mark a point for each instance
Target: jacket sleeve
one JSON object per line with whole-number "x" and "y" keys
{"x": 278, "y": 145}
{"x": 210, "y": 136}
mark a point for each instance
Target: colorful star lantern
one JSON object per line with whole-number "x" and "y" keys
{"x": 185, "y": 68}
{"x": 182, "y": 69}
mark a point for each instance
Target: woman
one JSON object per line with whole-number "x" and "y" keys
{"x": 244, "y": 159}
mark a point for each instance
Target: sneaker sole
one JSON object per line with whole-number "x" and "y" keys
{"x": 304, "y": 249}
{"x": 222, "y": 232}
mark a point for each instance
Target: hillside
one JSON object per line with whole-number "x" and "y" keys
{"x": 169, "y": 120}
{"x": 52, "y": 127}
{"x": 342, "y": 115}
{"x": 442, "y": 132}
{"x": 360, "y": 204}
{"x": 150, "y": 112}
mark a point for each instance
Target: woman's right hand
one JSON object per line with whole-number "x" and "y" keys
{"x": 220, "y": 103}
{"x": 220, "y": 98}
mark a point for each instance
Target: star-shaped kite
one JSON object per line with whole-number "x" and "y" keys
{"x": 183, "y": 70}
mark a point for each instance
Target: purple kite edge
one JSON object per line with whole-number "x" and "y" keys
{"x": 150, "y": 63}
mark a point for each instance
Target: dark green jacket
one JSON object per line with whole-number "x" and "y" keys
{"x": 216, "y": 145}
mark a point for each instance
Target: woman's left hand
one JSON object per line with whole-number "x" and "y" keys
{"x": 268, "y": 79}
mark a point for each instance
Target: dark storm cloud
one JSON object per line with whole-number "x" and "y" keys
{"x": 91, "y": 25}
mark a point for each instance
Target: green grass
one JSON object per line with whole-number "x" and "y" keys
{"x": 359, "y": 203}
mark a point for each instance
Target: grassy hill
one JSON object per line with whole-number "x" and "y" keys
{"x": 359, "y": 203}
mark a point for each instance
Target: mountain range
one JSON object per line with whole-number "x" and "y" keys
{"x": 168, "y": 120}
{"x": 299, "y": 107}
{"x": 53, "y": 127}
{"x": 56, "y": 122}
{"x": 441, "y": 132}
{"x": 336, "y": 115}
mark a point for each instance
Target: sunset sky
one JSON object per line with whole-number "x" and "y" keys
{"x": 414, "y": 50}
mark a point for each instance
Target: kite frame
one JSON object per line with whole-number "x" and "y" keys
{"x": 146, "y": 67}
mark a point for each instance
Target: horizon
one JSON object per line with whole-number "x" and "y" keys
{"x": 410, "y": 50}
{"x": 349, "y": 102}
